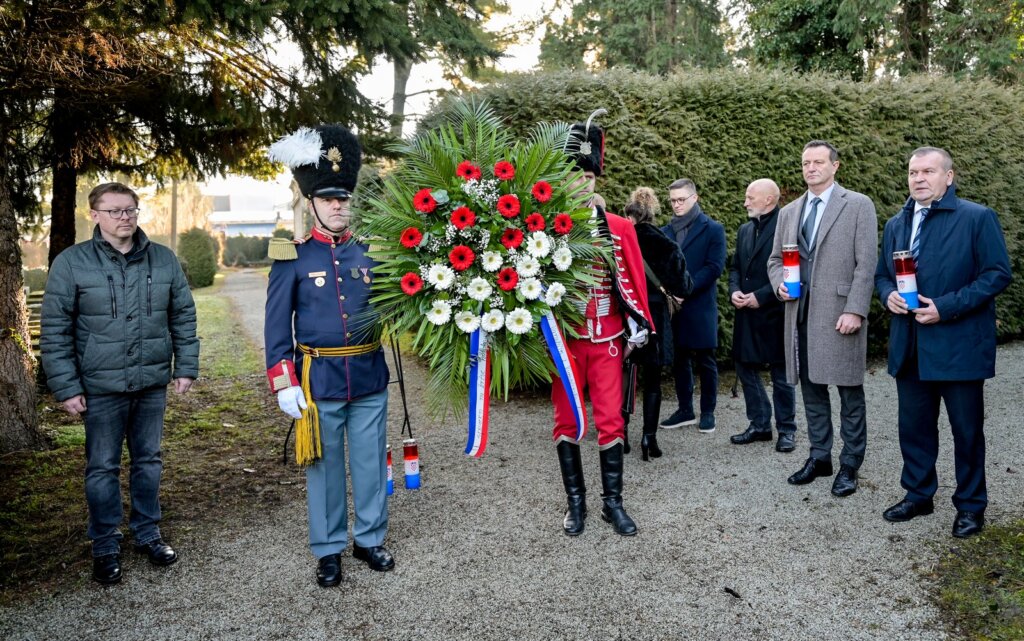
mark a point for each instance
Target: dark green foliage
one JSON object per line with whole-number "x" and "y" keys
{"x": 197, "y": 251}
{"x": 35, "y": 279}
{"x": 727, "y": 128}
{"x": 243, "y": 251}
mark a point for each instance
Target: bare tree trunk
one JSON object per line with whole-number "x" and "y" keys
{"x": 65, "y": 179}
{"x": 19, "y": 424}
{"x": 174, "y": 215}
{"x": 403, "y": 69}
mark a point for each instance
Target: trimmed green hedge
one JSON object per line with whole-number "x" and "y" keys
{"x": 197, "y": 251}
{"x": 725, "y": 128}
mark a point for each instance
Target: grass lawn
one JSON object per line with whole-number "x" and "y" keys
{"x": 981, "y": 584}
{"x": 221, "y": 452}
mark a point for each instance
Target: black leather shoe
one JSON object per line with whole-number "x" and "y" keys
{"x": 786, "y": 443}
{"x": 811, "y": 470}
{"x": 106, "y": 569}
{"x": 159, "y": 553}
{"x": 968, "y": 523}
{"x": 377, "y": 557}
{"x": 846, "y": 481}
{"x": 751, "y": 435}
{"x": 328, "y": 571}
{"x": 906, "y": 510}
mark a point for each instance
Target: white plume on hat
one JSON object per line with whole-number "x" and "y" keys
{"x": 300, "y": 148}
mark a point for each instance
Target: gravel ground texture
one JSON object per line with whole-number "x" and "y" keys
{"x": 726, "y": 548}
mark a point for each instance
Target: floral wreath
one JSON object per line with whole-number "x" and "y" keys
{"x": 472, "y": 231}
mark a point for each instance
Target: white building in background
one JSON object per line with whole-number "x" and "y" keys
{"x": 248, "y": 222}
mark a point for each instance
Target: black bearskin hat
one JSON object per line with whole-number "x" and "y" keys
{"x": 324, "y": 160}
{"x": 590, "y": 156}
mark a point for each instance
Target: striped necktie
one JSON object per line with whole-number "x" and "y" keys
{"x": 808, "y": 227}
{"x": 915, "y": 244}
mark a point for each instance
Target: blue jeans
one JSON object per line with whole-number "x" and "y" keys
{"x": 109, "y": 419}
{"x": 707, "y": 369}
{"x": 759, "y": 409}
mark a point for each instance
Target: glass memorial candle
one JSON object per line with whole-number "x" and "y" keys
{"x": 791, "y": 269}
{"x": 906, "y": 278}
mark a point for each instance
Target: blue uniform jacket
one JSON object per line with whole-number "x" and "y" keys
{"x": 325, "y": 291}
{"x": 962, "y": 266}
{"x": 695, "y": 325}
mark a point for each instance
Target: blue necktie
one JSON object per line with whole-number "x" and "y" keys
{"x": 915, "y": 244}
{"x": 808, "y": 228}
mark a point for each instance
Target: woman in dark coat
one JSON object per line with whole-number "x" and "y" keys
{"x": 664, "y": 258}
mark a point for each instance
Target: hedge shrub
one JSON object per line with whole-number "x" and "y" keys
{"x": 243, "y": 251}
{"x": 724, "y": 129}
{"x": 197, "y": 251}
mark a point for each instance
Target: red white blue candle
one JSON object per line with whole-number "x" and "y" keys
{"x": 411, "y": 454}
{"x": 391, "y": 476}
{"x": 906, "y": 278}
{"x": 791, "y": 269}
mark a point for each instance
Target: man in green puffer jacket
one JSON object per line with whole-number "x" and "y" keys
{"x": 118, "y": 323}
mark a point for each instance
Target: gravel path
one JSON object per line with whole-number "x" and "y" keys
{"x": 726, "y": 550}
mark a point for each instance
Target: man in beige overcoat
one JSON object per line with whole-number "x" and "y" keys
{"x": 826, "y": 327}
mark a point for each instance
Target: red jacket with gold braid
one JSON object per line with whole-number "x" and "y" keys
{"x": 607, "y": 309}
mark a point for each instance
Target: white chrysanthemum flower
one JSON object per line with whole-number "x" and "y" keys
{"x": 492, "y": 321}
{"x": 528, "y": 266}
{"x": 562, "y": 258}
{"x": 440, "y": 312}
{"x": 530, "y": 288}
{"x": 467, "y": 321}
{"x": 519, "y": 321}
{"x": 479, "y": 289}
{"x": 554, "y": 294}
{"x": 539, "y": 245}
{"x": 491, "y": 261}
{"x": 441, "y": 276}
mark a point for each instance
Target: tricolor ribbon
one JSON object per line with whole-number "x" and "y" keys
{"x": 566, "y": 367}
{"x": 479, "y": 393}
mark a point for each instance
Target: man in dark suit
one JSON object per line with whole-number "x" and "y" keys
{"x": 695, "y": 325}
{"x": 758, "y": 325}
{"x": 945, "y": 348}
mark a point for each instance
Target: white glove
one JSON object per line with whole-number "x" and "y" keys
{"x": 637, "y": 337}
{"x": 290, "y": 399}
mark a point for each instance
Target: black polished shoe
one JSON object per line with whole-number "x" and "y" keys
{"x": 159, "y": 553}
{"x": 377, "y": 557}
{"x": 968, "y": 523}
{"x": 846, "y": 481}
{"x": 328, "y": 570}
{"x": 751, "y": 435}
{"x": 811, "y": 470}
{"x": 106, "y": 569}
{"x": 785, "y": 443}
{"x": 907, "y": 509}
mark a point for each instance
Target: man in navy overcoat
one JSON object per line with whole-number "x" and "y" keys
{"x": 945, "y": 348}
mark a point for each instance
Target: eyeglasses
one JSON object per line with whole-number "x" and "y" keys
{"x": 680, "y": 201}
{"x": 117, "y": 214}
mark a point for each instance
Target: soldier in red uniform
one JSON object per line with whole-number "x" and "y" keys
{"x": 617, "y": 320}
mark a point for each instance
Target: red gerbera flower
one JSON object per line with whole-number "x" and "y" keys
{"x": 411, "y": 283}
{"x": 463, "y": 217}
{"x": 462, "y": 257}
{"x": 563, "y": 223}
{"x": 504, "y": 170}
{"x": 508, "y": 205}
{"x": 535, "y": 222}
{"x": 542, "y": 191}
{"x": 468, "y": 171}
{"x": 512, "y": 238}
{"x": 423, "y": 201}
{"x": 411, "y": 237}
{"x": 508, "y": 279}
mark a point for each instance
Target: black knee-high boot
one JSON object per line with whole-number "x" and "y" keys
{"x": 611, "y": 480}
{"x": 571, "y": 463}
{"x": 649, "y": 441}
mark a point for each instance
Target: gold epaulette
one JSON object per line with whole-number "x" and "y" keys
{"x": 281, "y": 249}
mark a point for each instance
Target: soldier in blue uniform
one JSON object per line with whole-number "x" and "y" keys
{"x": 329, "y": 372}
